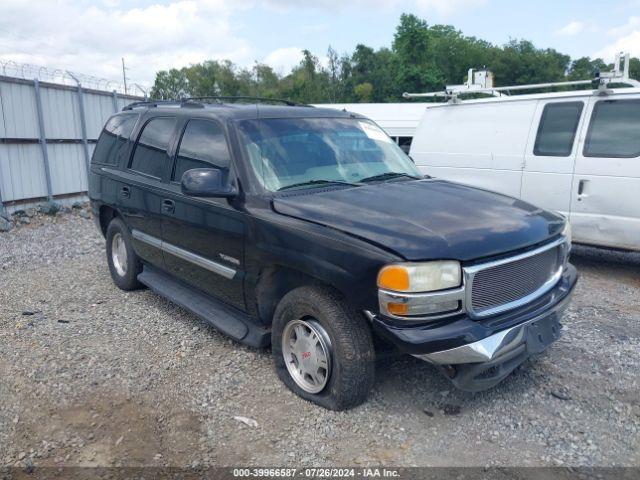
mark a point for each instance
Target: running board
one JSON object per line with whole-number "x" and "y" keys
{"x": 226, "y": 319}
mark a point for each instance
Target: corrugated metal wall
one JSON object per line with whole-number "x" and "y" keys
{"x": 23, "y": 163}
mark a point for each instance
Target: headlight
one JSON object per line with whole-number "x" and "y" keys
{"x": 420, "y": 277}
{"x": 566, "y": 232}
{"x": 420, "y": 290}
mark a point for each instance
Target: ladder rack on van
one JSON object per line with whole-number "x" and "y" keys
{"x": 482, "y": 82}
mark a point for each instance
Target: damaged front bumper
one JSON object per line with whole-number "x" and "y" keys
{"x": 476, "y": 355}
{"x": 480, "y": 365}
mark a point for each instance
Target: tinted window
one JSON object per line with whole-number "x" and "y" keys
{"x": 150, "y": 155}
{"x": 113, "y": 139}
{"x": 614, "y": 129}
{"x": 203, "y": 145}
{"x": 557, "y": 129}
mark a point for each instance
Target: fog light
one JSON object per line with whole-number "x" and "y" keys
{"x": 411, "y": 309}
{"x": 430, "y": 309}
{"x": 398, "y": 308}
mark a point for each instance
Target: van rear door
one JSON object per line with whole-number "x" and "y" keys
{"x": 551, "y": 153}
{"x": 605, "y": 203}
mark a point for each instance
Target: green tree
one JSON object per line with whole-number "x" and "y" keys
{"x": 454, "y": 54}
{"x": 520, "y": 62}
{"x": 421, "y": 58}
{"x": 267, "y": 82}
{"x": 170, "y": 84}
{"x": 308, "y": 82}
{"x": 376, "y": 68}
{"x": 363, "y": 91}
{"x": 585, "y": 69}
{"x": 414, "y": 68}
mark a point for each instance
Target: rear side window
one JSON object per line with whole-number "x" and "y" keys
{"x": 113, "y": 139}
{"x": 614, "y": 129}
{"x": 203, "y": 145}
{"x": 557, "y": 129}
{"x": 150, "y": 156}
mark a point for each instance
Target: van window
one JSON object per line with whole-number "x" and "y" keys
{"x": 557, "y": 129}
{"x": 113, "y": 139}
{"x": 405, "y": 143}
{"x": 614, "y": 129}
{"x": 203, "y": 145}
{"x": 150, "y": 155}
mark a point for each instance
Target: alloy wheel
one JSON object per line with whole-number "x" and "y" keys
{"x": 306, "y": 349}
{"x": 119, "y": 254}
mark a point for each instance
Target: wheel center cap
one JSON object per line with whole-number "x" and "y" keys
{"x": 306, "y": 354}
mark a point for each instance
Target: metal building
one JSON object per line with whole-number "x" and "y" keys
{"x": 399, "y": 120}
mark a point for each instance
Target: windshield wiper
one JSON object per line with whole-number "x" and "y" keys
{"x": 317, "y": 182}
{"x": 388, "y": 175}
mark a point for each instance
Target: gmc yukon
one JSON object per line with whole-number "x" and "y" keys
{"x": 309, "y": 230}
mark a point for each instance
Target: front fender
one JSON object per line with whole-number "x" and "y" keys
{"x": 331, "y": 257}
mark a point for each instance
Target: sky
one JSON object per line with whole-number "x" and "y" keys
{"x": 91, "y": 37}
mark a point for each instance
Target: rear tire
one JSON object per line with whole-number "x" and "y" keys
{"x": 124, "y": 264}
{"x": 345, "y": 371}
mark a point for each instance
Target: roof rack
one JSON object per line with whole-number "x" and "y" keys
{"x": 160, "y": 103}
{"x": 482, "y": 82}
{"x": 198, "y": 102}
{"x": 221, "y": 98}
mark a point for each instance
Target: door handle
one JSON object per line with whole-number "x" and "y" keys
{"x": 581, "y": 189}
{"x": 125, "y": 192}
{"x": 168, "y": 206}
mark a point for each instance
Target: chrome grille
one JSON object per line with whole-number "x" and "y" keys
{"x": 503, "y": 285}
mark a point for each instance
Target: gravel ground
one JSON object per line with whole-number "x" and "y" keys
{"x": 91, "y": 375}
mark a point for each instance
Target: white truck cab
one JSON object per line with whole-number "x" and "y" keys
{"x": 576, "y": 152}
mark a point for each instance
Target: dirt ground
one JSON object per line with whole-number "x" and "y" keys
{"x": 93, "y": 376}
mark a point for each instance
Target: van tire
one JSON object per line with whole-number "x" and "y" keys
{"x": 124, "y": 272}
{"x": 352, "y": 361}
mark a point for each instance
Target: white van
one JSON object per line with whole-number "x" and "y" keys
{"x": 575, "y": 152}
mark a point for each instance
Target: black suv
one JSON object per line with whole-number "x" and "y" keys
{"x": 310, "y": 230}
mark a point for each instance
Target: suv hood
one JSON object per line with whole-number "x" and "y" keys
{"x": 426, "y": 219}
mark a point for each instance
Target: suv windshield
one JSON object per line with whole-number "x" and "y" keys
{"x": 311, "y": 152}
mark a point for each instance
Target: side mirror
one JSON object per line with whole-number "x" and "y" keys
{"x": 206, "y": 182}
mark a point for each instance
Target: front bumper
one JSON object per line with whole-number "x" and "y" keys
{"x": 477, "y": 354}
{"x": 500, "y": 343}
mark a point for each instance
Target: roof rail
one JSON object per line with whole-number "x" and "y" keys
{"x": 221, "y": 98}
{"x": 482, "y": 82}
{"x": 198, "y": 102}
{"x": 159, "y": 103}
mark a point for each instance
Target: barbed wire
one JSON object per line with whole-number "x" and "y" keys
{"x": 27, "y": 71}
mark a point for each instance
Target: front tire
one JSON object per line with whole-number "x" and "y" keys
{"x": 322, "y": 348}
{"x": 124, "y": 264}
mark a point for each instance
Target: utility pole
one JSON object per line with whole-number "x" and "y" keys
{"x": 124, "y": 76}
